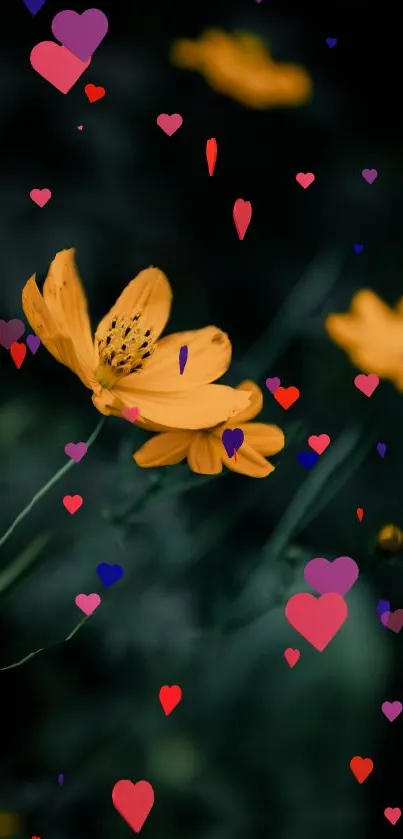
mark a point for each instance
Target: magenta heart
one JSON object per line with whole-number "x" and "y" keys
{"x": 393, "y": 620}
{"x": 335, "y": 577}
{"x": 392, "y": 710}
{"x": 33, "y": 343}
{"x": 81, "y": 34}
{"x": 169, "y": 123}
{"x": 76, "y": 451}
{"x": 273, "y": 384}
{"x": 369, "y": 175}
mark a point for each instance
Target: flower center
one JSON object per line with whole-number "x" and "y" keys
{"x": 125, "y": 349}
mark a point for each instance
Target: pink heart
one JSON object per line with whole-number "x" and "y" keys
{"x": 305, "y": 179}
{"x": 169, "y": 123}
{"x": 366, "y": 384}
{"x": 87, "y": 603}
{"x": 57, "y": 65}
{"x": 40, "y": 196}
{"x": 319, "y": 442}
{"x": 131, "y": 414}
{"x": 392, "y": 814}
{"x": 291, "y": 656}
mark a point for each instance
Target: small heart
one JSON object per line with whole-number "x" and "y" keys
{"x": 232, "y": 439}
{"x": 80, "y": 127}
{"x": 366, "y": 384}
{"x": 361, "y": 767}
{"x": 34, "y": 6}
{"x": 393, "y": 620}
{"x": 40, "y": 196}
{"x": 76, "y": 451}
{"x": 369, "y": 175}
{"x": 305, "y": 179}
{"x": 308, "y": 459}
{"x": 242, "y": 214}
{"x": 382, "y": 606}
{"x": 319, "y": 442}
{"x": 286, "y": 396}
{"x": 109, "y": 574}
{"x": 169, "y": 123}
{"x": 87, "y": 603}
{"x": 33, "y": 343}
{"x": 18, "y": 353}
{"x": 130, "y": 414}
{"x": 392, "y": 710}
{"x": 72, "y": 503}
{"x": 273, "y": 383}
{"x": 170, "y": 696}
{"x": 93, "y": 93}
{"x": 331, "y": 42}
{"x": 291, "y": 656}
{"x": 10, "y": 331}
{"x": 392, "y": 814}
{"x": 358, "y": 248}
{"x": 360, "y": 513}
{"x": 381, "y": 449}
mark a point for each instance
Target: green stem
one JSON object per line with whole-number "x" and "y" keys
{"x": 67, "y": 466}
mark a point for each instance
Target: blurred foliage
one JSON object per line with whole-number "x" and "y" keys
{"x": 254, "y": 748}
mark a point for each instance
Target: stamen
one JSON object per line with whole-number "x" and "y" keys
{"x": 124, "y": 349}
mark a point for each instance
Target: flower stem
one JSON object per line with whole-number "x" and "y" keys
{"x": 67, "y": 466}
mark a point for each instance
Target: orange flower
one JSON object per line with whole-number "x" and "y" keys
{"x": 372, "y": 335}
{"x": 205, "y": 450}
{"x": 126, "y": 365}
{"x": 240, "y": 66}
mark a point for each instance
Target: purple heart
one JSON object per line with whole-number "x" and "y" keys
{"x": 335, "y": 577}
{"x": 308, "y": 459}
{"x": 392, "y": 709}
{"x": 393, "y": 620}
{"x": 232, "y": 439}
{"x": 81, "y": 34}
{"x": 358, "y": 248}
{"x": 369, "y": 175}
{"x": 33, "y": 6}
{"x": 33, "y": 342}
{"x": 273, "y": 384}
{"x": 331, "y": 42}
{"x": 76, "y": 451}
{"x": 10, "y": 331}
{"x": 381, "y": 449}
{"x": 383, "y": 606}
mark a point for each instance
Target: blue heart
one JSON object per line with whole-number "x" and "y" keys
{"x": 308, "y": 459}
{"x": 331, "y": 42}
{"x": 33, "y": 6}
{"x": 109, "y": 574}
{"x": 358, "y": 248}
{"x": 383, "y": 606}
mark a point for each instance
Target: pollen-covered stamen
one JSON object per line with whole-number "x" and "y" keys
{"x": 125, "y": 349}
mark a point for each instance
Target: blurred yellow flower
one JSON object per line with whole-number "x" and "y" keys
{"x": 239, "y": 65}
{"x": 127, "y": 364}
{"x": 205, "y": 450}
{"x": 372, "y": 335}
{"x": 10, "y": 824}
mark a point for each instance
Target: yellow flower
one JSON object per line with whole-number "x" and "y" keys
{"x": 126, "y": 365}
{"x": 239, "y": 65}
{"x": 205, "y": 450}
{"x": 10, "y": 824}
{"x": 372, "y": 336}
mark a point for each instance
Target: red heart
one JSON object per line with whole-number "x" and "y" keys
{"x": 361, "y": 767}
{"x": 170, "y": 696}
{"x": 72, "y": 503}
{"x": 286, "y": 396}
{"x": 133, "y": 802}
{"x": 291, "y": 656}
{"x": 94, "y": 93}
{"x": 18, "y": 352}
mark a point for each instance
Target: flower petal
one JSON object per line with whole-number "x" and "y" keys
{"x": 164, "y": 449}
{"x": 201, "y": 407}
{"x": 65, "y": 298}
{"x": 209, "y": 356}
{"x": 204, "y": 455}
{"x": 265, "y": 439}
{"x": 42, "y": 323}
{"x": 248, "y": 462}
{"x": 255, "y": 401}
{"x": 150, "y": 295}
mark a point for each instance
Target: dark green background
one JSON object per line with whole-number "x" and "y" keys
{"x": 255, "y": 749}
